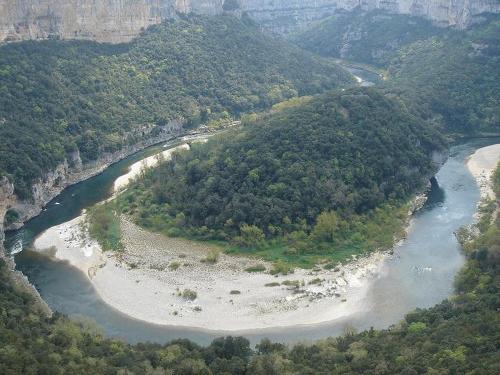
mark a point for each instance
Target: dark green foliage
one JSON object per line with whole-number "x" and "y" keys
{"x": 455, "y": 77}
{"x": 371, "y": 38}
{"x": 348, "y": 152}
{"x": 449, "y": 75}
{"x": 58, "y": 97}
{"x": 103, "y": 225}
{"x": 11, "y": 216}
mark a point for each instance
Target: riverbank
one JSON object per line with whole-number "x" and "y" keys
{"x": 149, "y": 280}
{"x": 481, "y": 165}
{"x": 136, "y": 169}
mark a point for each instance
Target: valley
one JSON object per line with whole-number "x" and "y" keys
{"x": 327, "y": 201}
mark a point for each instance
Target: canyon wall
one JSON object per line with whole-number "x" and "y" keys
{"x": 121, "y": 20}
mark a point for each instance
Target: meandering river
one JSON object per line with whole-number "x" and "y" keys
{"x": 420, "y": 274}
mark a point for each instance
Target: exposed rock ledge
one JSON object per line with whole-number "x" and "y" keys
{"x": 68, "y": 173}
{"x": 71, "y": 172}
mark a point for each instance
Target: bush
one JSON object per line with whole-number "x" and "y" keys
{"x": 281, "y": 267}
{"x": 256, "y": 268}
{"x": 174, "y": 265}
{"x": 212, "y": 256}
{"x": 273, "y": 284}
{"x": 189, "y": 294}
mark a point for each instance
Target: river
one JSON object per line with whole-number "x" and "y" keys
{"x": 420, "y": 274}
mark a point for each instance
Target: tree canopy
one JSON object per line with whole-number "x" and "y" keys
{"x": 59, "y": 97}
{"x": 319, "y": 162}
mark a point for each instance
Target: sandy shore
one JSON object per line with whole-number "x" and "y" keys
{"x": 146, "y": 280}
{"x": 482, "y": 165}
{"x": 152, "y": 161}
{"x": 149, "y": 162}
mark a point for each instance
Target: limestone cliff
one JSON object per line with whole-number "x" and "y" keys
{"x": 121, "y": 20}
{"x": 70, "y": 172}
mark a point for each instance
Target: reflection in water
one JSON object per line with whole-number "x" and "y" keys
{"x": 420, "y": 274}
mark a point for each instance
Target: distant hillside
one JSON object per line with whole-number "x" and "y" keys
{"x": 453, "y": 78}
{"x": 368, "y": 37}
{"x": 60, "y": 98}
{"x": 449, "y": 75}
{"x": 321, "y": 172}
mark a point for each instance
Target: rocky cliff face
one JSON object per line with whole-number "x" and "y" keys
{"x": 70, "y": 172}
{"x": 121, "y": 20}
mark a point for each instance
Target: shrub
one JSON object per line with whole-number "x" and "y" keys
{"x": 256, "y": 268}
{"x": 189, "y": 294}
{"x": 174, "y": 265}
{"x": 281, "y": 267}
{"x": 272, "y": 284}
{"x": 212, "y": 256}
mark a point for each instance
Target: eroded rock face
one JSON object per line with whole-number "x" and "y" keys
{"x": 72, "y": 171}
{"x": 120, "y": 20}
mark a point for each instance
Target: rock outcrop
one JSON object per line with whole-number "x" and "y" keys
{"x": 72, "y": 171}
{"x": 120, "y": 20}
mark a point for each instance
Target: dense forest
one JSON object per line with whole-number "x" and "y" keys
{"x": 369, "y": 37}
{"x": 449, "y": 75}
{"x": 310, "y": 173}
{"x": 57, "y": 97}
{"x": 458, "y": 336}
{"x": 455, "y": 79}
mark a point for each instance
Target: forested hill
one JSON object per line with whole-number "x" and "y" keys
{"x": 368, "y": 37}
{"x": 314, "y": 167}
{"x": 452, "y": 76}
{"x": 57, "y": 97}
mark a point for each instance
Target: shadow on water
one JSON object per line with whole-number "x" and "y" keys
{"x": 435, "y": 196}
{"x": 420, "y": 274}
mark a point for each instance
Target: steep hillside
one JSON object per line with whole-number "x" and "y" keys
{"x": 311, "y": 173}
{"x": 449, "y": 75}
{"x": 454, "y": 78}
{"x": 371, "y": 38}
{"x": 75, "y": 101}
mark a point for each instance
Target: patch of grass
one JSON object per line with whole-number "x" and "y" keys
{"x": 212, "y": 256}
{"x": 256, "y": 268}
{"x": 103, "y": 225}
{"x": 189, "y": 294}
{"x": 272, "y": 284}
{"x": 174, "y": 265}
{"x": 316, "y": 281}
